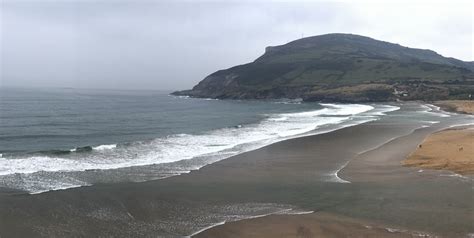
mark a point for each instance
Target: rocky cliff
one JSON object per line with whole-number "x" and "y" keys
{"x": 342, "y": 68}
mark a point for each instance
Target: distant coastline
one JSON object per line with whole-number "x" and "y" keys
{"x": 343, "y": 68}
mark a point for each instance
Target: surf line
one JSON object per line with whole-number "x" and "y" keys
{"x": 338, "y": 179}
{"x": 282, "y": 212}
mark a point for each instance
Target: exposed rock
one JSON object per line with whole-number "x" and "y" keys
{"x": 345, "y": 68}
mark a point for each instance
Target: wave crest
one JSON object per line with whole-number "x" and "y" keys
{"x": 214, "y": 145}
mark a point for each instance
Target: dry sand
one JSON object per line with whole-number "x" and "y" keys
{"x": 459, "y": 106}
{"x": 451, "y": 149}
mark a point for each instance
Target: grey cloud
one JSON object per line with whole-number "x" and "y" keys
{"x": 174, "y": 44}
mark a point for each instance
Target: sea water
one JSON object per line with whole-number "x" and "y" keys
{"x": 62, "y": 138}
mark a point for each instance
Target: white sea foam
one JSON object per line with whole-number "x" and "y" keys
{"x": 289, "y": 101}
{"x": 455, "y": 175}
{"x": 382, "y": 110}
{"x": 221, "y": 143}
{"x": 52, "y": 185}
{"x": 334, "y": 176}
{"x": 206, "y": 228}
{"x": 283, "y": 118}
{"x": 394, "y": 230}
{"x": 105, "y": 147}
{"x": 434, "y": 110}
{"x": 342, "y": 109}
{"x": 288, "y": 211}
{"x": 459, "y": 125}
{"x": 432, "y": 122}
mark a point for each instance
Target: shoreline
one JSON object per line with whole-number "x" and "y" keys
{"x": 457, "y": 106}
{"x": 232, "y": 228}
{"x": 318, "y": 224}
{"x": 450, "y": 149}
{"x": 386, "y": 231}
{"x": 320, "y": 129}
{"x": 255, "y": 226}
{"x": 278, "y": 213}
{"x": 428, "y": 159}
{"x": 283, "y": 173}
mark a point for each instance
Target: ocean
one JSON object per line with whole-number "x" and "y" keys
{"x": 54, "y": 139}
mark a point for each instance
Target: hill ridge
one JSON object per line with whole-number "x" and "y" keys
{"x": 342, "y": 67}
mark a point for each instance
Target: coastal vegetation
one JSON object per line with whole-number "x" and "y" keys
{"x": 342, "y": 68}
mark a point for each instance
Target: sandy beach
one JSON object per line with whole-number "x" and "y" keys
{"x": 367, "y": 194}
{"x": 458, "y": 106}
{"x": 451, "y": 149}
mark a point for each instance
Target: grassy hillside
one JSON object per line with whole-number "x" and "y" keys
{"x": 342, "y": 67}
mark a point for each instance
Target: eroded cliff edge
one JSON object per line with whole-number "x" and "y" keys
{"x": 342, "y": 68}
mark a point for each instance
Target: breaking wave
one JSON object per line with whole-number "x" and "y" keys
{"x": 221, "y": 143}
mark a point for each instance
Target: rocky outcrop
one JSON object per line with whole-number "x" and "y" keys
{"x": 344, "y": 68}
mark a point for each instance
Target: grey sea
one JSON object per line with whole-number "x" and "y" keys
{"x": 61, "y": 139}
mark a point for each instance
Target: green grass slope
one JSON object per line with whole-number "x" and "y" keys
{"x": 345, "y": 68}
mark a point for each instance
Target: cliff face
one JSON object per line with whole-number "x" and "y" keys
{"x": 344, "y": 68}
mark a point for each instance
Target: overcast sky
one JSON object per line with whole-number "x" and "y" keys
{"x": 166, "y": 45}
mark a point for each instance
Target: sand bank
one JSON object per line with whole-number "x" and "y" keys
{"x": 451, "y": 149}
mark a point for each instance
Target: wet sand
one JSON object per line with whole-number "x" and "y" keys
{"x": 381, "y": 192}
{"x": 451, "y": 149}
{"x": 408, "y": 201}
{"x": 306, "y": 226}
